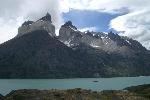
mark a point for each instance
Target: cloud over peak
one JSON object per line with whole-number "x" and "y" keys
{"x": 14, "y": 12}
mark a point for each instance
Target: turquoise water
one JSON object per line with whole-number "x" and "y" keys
{"x": 6, "y": 85}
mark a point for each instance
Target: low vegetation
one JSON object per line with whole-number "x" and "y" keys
{"x": 141, "y": 92}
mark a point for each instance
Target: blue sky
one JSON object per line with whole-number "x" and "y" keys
{"x": 88, "y": 18}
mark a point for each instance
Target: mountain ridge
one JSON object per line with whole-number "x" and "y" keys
{"x": 41, "y": 54}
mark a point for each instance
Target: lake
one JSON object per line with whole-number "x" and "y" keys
{"x": 6, "y": 85}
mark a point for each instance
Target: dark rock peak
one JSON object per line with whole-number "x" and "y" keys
{"x": 112, "y": 34}
{"x": 47, "y": 14}
{"x": 125, "y": 41}
{"x": 69, "y": 24}
{"x": 89, "y": 33}
{"x": 46, "y": 18}
{"x": 26, "y": 23}
{"x": 98, "y": 36}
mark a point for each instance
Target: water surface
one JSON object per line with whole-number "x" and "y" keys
{"x": 118, "y": 83}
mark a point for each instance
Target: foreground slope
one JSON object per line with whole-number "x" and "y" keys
{"x": 143, "y": 90}
{"x": 73, "y": 94}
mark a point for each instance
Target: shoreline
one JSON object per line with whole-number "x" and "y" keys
{"x": 129, "y": 93}
{"x": 73, "y": 78}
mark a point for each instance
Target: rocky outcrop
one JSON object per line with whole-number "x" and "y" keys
{"x": 44, "y": 23}
{"x": 69, "y": 35}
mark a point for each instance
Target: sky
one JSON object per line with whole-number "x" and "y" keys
{"x": 92, "y": 20}
{"x": 131, "y": 17}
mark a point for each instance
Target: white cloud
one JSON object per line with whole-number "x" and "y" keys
{"x": 88, "y": 28}
{"x": 110, "y": 6}
{"x": 8, "y": 28}
{"x": 14, "y": 12}
{"x": 136, "y": 24}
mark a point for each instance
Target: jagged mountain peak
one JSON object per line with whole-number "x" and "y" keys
{"x": 109, "y": 42}
{"x": 47, "y": 17}
{"x": 48, "y": 14}
{"x": 27, "y": 23}
{"x": 89, "y": 33}
{"x": 43, "y": 23}
{"x": 69, "y": 24}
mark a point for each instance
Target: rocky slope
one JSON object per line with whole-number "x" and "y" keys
{"x": 38, "y": 53}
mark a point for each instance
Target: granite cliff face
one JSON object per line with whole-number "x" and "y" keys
{"x": 37, "y": 52}
{"x": 44, "y": 23}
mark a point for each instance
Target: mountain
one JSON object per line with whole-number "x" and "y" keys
{"x": 37, "y": 55}
{"x": 36, "y": 52}
{"x": 109, "y": 42}
{"x": 116, "y": 55}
